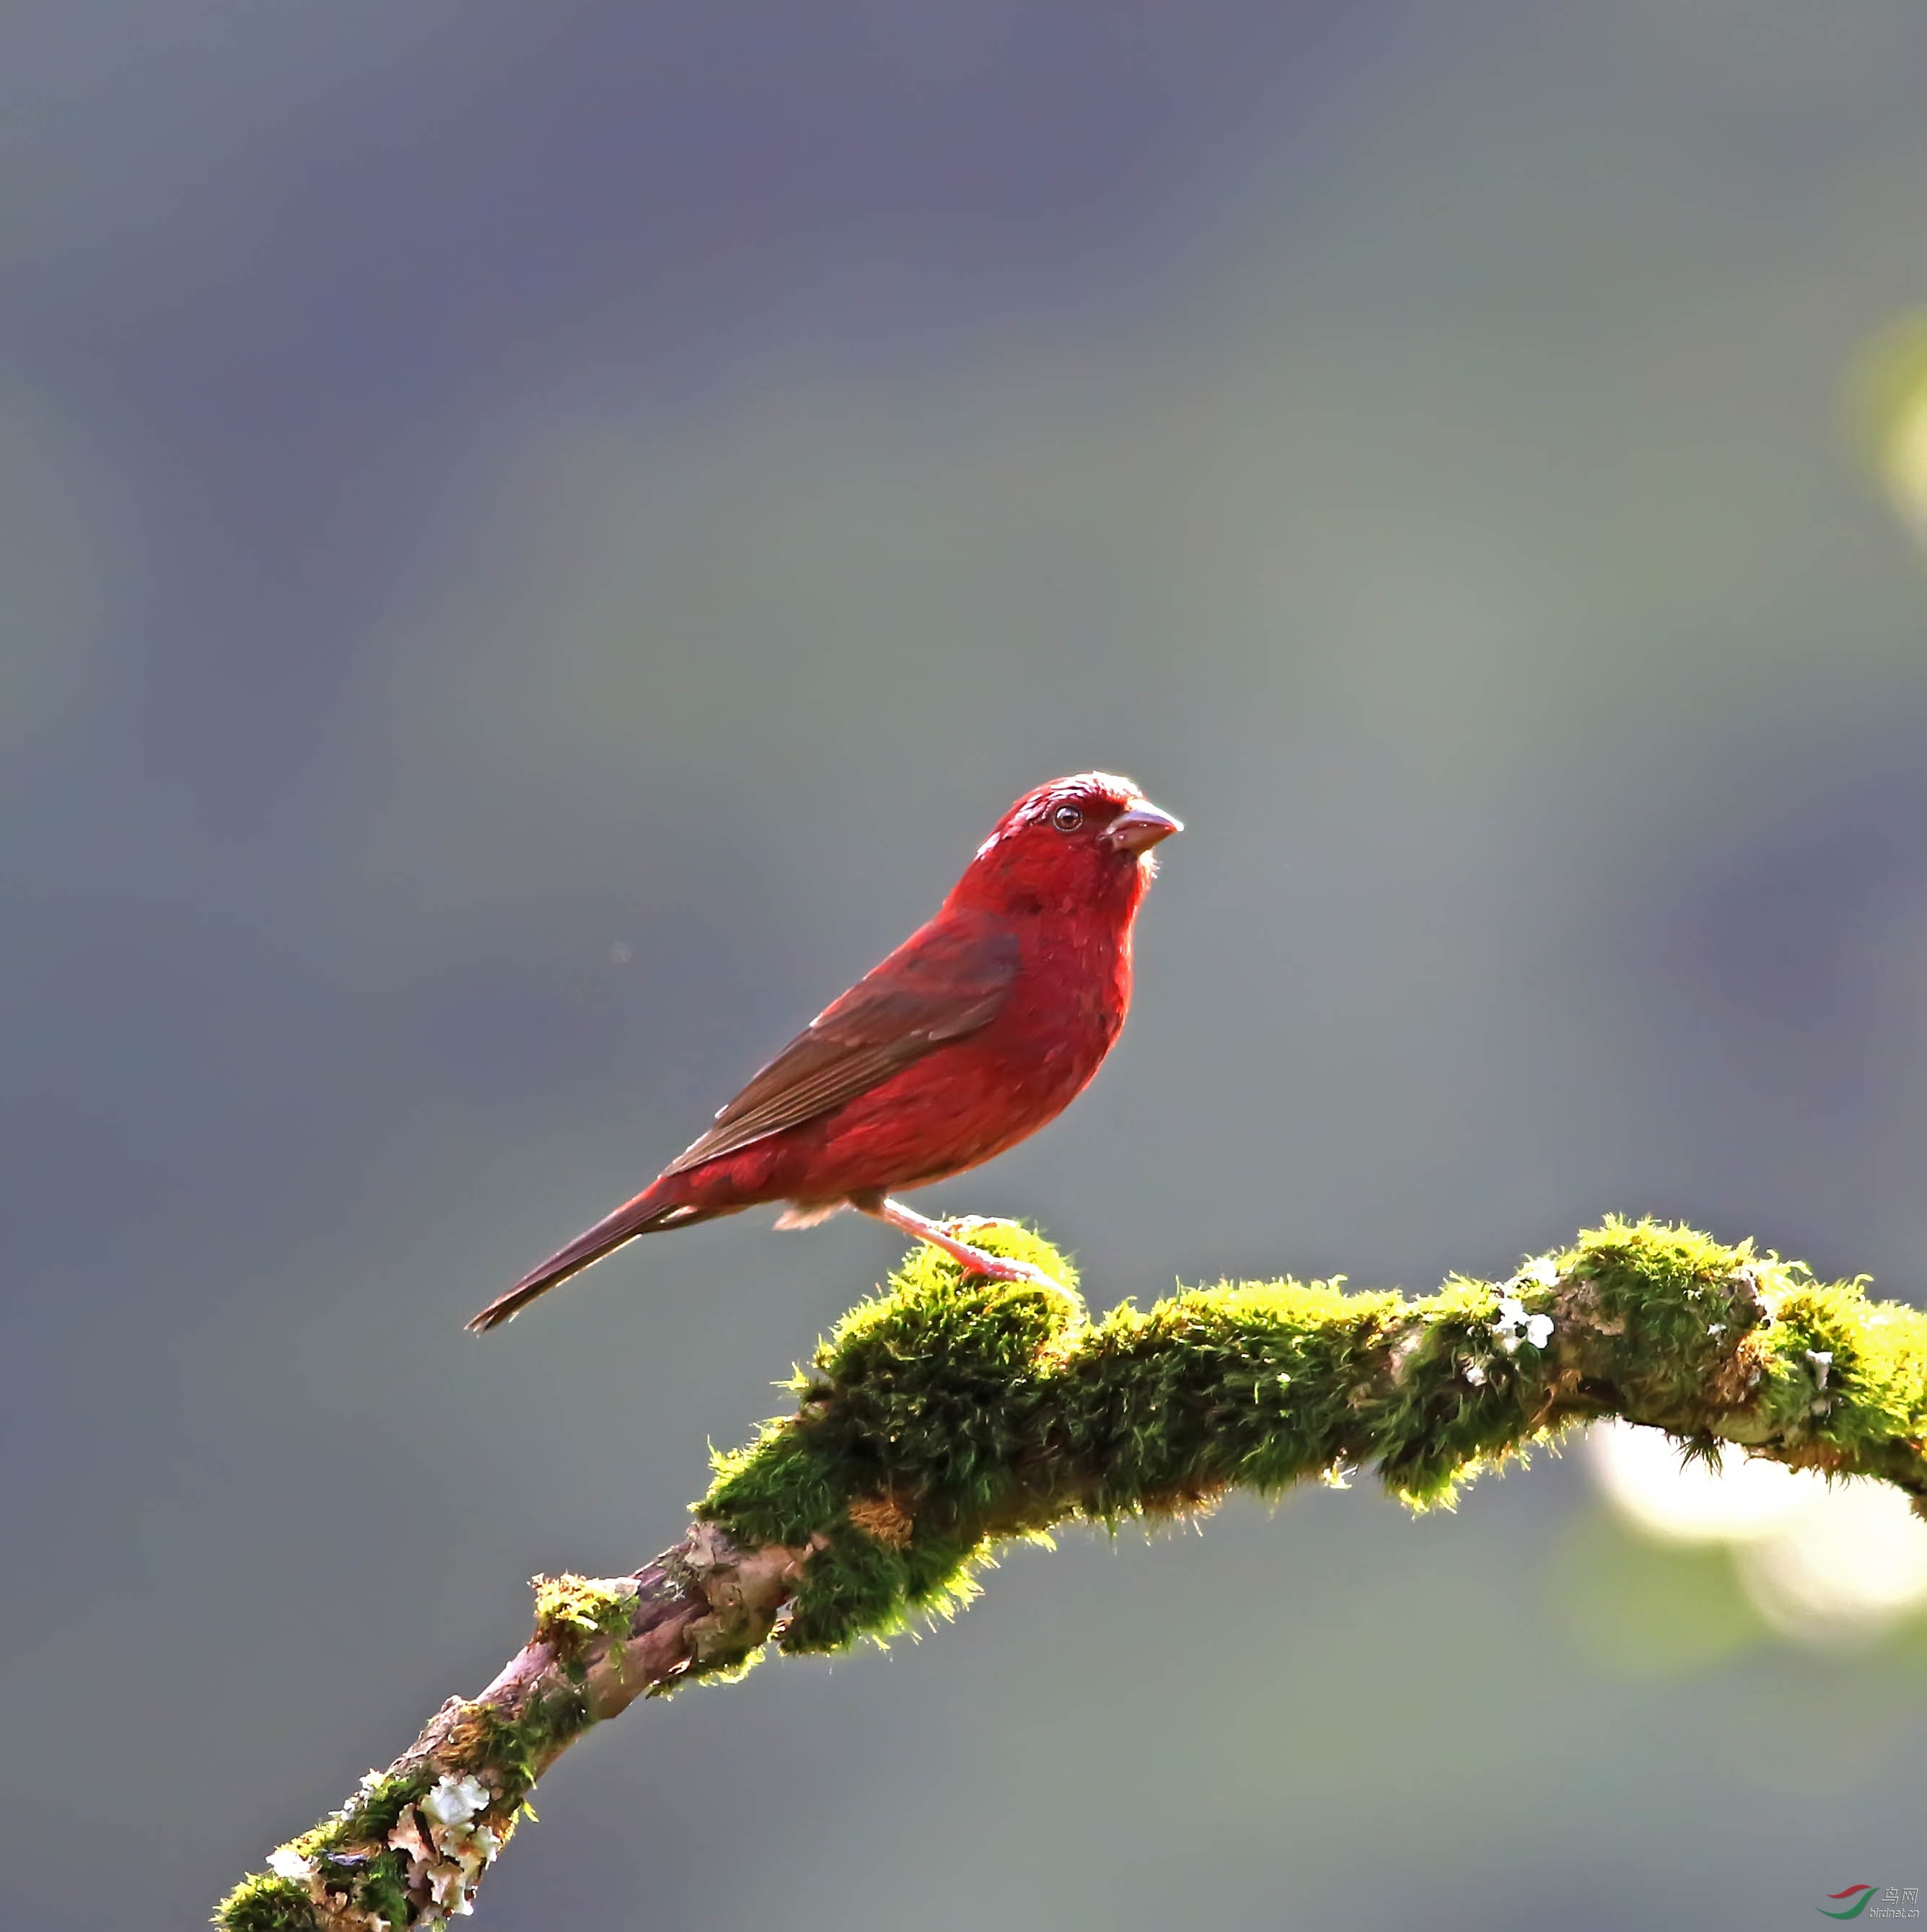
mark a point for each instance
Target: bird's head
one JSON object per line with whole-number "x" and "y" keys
{"x": 1086, "y": 839}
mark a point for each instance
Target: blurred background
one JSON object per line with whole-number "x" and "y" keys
{"x": 534, "y": 542}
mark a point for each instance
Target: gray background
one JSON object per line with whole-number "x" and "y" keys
{"x": 485, "y": 487}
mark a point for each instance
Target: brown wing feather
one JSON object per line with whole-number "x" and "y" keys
{"x": 613, "y": 1231}
{"x": 942, "y": 983}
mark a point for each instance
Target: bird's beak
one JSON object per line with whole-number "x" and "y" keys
{"x": 1139, "y": 829}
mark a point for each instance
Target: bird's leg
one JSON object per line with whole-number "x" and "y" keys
{"x": 976, "y": 1261}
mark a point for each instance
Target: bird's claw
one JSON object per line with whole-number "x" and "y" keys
{"x": 948, "y": 1238}
{"x": 1001, "y": 1268}
{"x": 974, "y": 1260}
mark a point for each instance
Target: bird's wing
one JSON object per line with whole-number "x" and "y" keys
{"x": 943, "y": 982}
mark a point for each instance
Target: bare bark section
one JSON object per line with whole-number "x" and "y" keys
{"x": 443, "y": 1810}
{"x": 703, "y": 1601}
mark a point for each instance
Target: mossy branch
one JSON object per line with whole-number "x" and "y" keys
{"x": 950, "y": 1414}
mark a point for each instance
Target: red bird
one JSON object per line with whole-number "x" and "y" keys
{"x": 982, "y": 1026}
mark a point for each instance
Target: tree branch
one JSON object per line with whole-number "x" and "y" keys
{"x": 952, "y": 1414}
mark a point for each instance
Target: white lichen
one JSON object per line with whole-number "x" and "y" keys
{"x": 447, "y": 1848}
{"x": 286, "y": 1862}
{"x": 1515, "y": 1325}
{"x": 1822, "y": 1360}
{"x": 455, "y": 1801}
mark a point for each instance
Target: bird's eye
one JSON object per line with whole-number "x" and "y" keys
{"x": 1067, "y": 818}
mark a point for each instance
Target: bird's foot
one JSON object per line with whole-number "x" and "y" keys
{"x": 948, "y": 1236}
{"x": 981, "y": 1260}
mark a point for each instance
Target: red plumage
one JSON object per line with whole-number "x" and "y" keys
{"x": 982, "y": 1026}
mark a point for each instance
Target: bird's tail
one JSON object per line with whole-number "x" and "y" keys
{"x": 658, "y": 1205}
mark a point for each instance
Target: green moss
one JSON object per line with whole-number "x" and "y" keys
{"x": 369, "y": 1815}
{"x": 574, "y": 1614}
{"x": 949, "y": 1412}
{"x": 932, "y": 1393}
{"x": 517, "y": 1747}
{"x": 1459, "y": 1403}
{"x": 1677, "y": 1293}
{"x": 349, "y": 1847}
{"x": 987, "y": 1409}
{"x": 371, "y": 1880}
{"x": 378, "y": 1886}
{"x": 262, "y": 1903}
